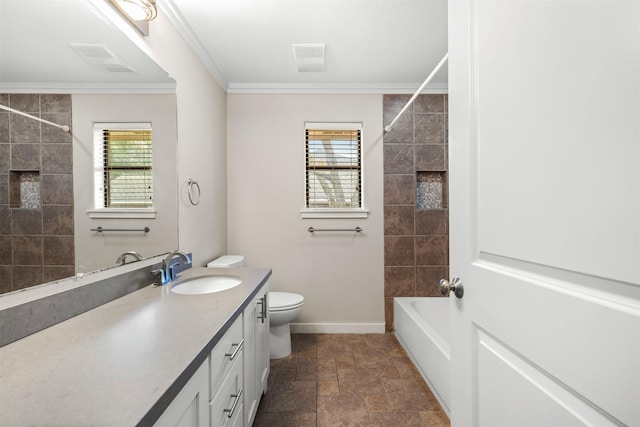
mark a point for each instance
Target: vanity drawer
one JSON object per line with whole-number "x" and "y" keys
{"x": 225, "y": 353}
{"x": 227, "y": 405}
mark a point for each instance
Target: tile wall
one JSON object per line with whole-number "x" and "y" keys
{"x": 36, "y": 192}
{"x": 416, "y": 215}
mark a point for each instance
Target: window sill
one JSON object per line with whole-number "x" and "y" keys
{"x": 122, "y": 213}
{"x": 333, "y": 213}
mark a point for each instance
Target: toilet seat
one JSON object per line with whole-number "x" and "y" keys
{"x": 283, "y": 301}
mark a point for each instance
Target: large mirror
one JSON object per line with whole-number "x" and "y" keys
{"x": 64, "y": 61}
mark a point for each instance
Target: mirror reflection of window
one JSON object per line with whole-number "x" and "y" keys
{"x": 123, "y": 165}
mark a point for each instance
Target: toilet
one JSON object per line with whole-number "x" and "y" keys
{"x": 284, "y": 307}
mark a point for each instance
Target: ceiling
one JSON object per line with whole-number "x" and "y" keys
{"x": 36, "y": 51}
{"x": 371, "y": 45}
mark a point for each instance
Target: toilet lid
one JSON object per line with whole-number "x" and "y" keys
{"x": 284, "y": 300}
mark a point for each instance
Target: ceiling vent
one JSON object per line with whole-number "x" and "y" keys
{"x": 99, "y": 55}
{"x": 309, "y": 57}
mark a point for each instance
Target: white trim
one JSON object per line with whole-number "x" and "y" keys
{"x": 337, "y": 328}
{"x": 90, "y": 88}
{"x": 316, "y": 213}
{"x": 121, "y": 213}
{"x": 335, "y": 88}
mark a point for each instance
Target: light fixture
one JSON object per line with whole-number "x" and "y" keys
{"x": 139, "y": 10}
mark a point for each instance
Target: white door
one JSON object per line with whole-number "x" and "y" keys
{"x": 544, "y": 125}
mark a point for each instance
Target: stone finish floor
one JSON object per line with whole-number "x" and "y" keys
{"x": 343, "y": 380}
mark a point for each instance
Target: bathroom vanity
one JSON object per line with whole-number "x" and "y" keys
{"x": 152, "y": 357}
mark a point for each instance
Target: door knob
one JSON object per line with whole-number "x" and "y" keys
{"x": 455, "y": 285}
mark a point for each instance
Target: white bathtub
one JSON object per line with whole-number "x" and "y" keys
{"x": 422, "y": 327}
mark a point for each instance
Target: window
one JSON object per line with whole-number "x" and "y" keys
{"x": 123, "y": 166}
{"x": 333, "y": 165}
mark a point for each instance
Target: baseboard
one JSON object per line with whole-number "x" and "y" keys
{"x": 337, "y": 328}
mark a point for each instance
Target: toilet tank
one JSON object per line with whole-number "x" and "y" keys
{"x": 227, "y": 261}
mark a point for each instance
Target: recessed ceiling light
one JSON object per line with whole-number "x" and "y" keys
{"x": 138, "y": 10}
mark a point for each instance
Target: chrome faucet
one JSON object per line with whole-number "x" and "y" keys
{"x": 123, "y": 256}
{"x": 166, "y": 274}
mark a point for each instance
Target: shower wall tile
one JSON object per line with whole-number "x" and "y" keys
{"x": 55, "y": 103}
{"x": 4, "y": 125}
{"x": 398, "y": 220}
{"x": 57, "y": 189}
{"x": 402, "y": 130}
{"x": 430, "y": 157}
{"x": 428, "y": 280}
{"x": 399, "y": 159}
{"x": 399, "y": 190}
{"x": 399, "y": 282}
{"x": 58, "y": 250}
{"x": 6, "y": 248}
{"x": 25, "y": 156}
{"x": 429, "y": 128}
{"x": 6, "y": 278}
{"x": 36, "y": 191}
{"x": 23, "y": 129}
{"x": 4, "y": 189}
{"x": 432, "y": 103}
{"x": 27, "y": 250}
{"x": 431, "y": 222}
{"x": 431, "y": 250}
{"x": 57, "y": 159}
{"x": 417, "y": 260}
{"x": 57, "y": 220}
{"x": 25, "y": 102}
{"x": 26, "y": 276}
{"x": 52, "y": 134}
{"x": 27, "y": 222}
{"x": 5, "y": 219}
{"x": 399, "y": 251}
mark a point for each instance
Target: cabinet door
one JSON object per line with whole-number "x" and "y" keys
{"x": 190, "y": 408}
{"x": 262, "y": 347}
{"x": 250, "y": 316}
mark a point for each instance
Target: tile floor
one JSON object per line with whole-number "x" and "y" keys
{"x": 334, "y": 380}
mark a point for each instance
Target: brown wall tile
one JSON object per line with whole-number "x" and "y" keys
{"x": 25, "y": 102}
{"x": 55, "y": 103}
{"x": 5, "y": 220}
{"x": 52, "y": 134}
{"x": 429, "y": 103}
{"x": 431, "y": 250}
{"x": 6, "y": 249}
{"x": 27, "y": 250}
{"x": 4, "y": 188}
{"x": 57, "y": 189}
{"x": 399, "y": 251}
{"x": 49, "y": 274}
{"x": 431, "y": 221}
{"x": 25, "y": 276}
{"x": 399, "y": 281}
{"x": 23, "y": 129}
{"x": 402, "y": 130}
{"x": 428, "y": 280}
{"x": 57, "y": 159}
{"x": 58, "y": 250}
{"x": 398, "y": 220}
{"x": 429, "y": 128}
{"x": 25, "y": 156}
{"x": 57, "y": 220}
{"x": 398, "y": 159}
{"x": 430, "y": 157}
{"x": 399, "y": 190}
{"x": 6, "y": 278}
{"x": 4, "y": 126}
{"x": 26, "y": 222}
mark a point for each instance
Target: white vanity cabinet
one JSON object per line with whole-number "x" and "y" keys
{"x": 256, "y": 352}
{"x": 226, "y": 390}
{"x": 190, "y": 408}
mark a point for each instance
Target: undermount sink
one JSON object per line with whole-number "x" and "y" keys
{"x": 205, "y": 285}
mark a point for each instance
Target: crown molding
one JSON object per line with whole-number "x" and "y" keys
{"x": 89, "y": 88}
{"x": 334, "y": 88}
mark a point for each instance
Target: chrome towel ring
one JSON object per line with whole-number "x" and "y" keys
{"x": 190, "y": 192}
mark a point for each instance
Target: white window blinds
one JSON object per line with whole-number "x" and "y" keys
{"x": 333, "y": 164}
{"x": 127, "y": 178}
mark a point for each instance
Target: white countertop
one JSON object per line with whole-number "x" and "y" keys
{"x": 122, "y": 363}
